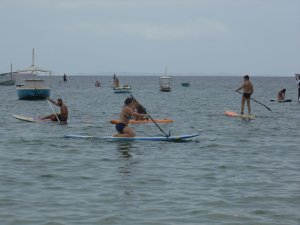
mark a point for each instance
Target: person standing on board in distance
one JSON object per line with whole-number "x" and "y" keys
{"x": 126, "y": 114}
{"x": 63, "y": 115}
{"x": 298, "y": 82}
{"x": 116, "y": 81}
{"x": 65, "y": 78}
{"x": 247, "y": 92}
{"x": 281, "y": 94}
{"x": 97, "y": 83}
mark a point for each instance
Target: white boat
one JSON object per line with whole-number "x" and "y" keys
{"x": 7, "y": 79}
{"x": 123, "y": 89}
{"x": 33, "y": 88}
{"x": 165, "y": 82}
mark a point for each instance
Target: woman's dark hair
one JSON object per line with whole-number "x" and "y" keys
{"x": 246, "y": 77}
{"x": 128, "y": 101}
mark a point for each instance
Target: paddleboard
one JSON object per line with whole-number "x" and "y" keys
{"x": 30, "y": 119}
{"x": 145, "y": 121}
{"x": 276, "y": 100}
{"x": 112, "y": 138}
{"x": 242, "y": 116}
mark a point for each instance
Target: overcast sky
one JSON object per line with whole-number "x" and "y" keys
{"x": 208, "y": 37}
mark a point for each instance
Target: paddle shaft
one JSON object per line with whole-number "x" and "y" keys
{"x": 53, "y": 111}
{"x": 257, "y": 101}
{"x": 167, "y": 136}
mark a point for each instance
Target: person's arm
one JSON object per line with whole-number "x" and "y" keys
{"x": 132, "y": 113}
{"x": 52, "y": 101}
{"x": 241, "y": 87}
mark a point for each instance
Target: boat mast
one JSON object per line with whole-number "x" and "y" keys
{"x": 11, "y": 71}
{"x": 33, "y": 57}
{"x": 34, "y": 71}
{"x": 166, "y": 70}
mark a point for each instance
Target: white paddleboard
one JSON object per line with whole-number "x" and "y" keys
{"x": 30, "y": 119}
{"x": 238, "y": 115}
{"x": 112, "y": 138}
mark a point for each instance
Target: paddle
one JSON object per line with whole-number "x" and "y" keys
{"x": 257, "y": 102}
{"x": 54, "y": 112}
{"x": 167, "y": 136}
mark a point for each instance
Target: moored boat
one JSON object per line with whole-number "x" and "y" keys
{"x": 165, "y": 82}
{"x": 185, "y": 84}
{"x": 8, "y": 79}
{"x": 33, "y": 88}
{"x": 123, "y": 89}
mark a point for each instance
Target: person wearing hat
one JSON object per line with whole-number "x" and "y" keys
{"x": 125, "y": 116}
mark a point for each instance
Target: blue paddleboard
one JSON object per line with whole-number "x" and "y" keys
{"x": 112, "y": 138}
{"x": 276, "y": 100}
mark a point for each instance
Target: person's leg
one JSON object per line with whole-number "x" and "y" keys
{"x": 242, "y": 106}
{"x": 128, "y": 132}
{"x": 47, "y": 117}
{"x": 249, "y": 107}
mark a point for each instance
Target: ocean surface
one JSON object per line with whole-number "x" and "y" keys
{"x": 237, "y": 171}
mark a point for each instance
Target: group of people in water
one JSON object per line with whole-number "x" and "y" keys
{"x": 247, "y": 88}
{"x": 132, "y": 108}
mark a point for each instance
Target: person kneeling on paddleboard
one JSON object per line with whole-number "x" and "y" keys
{"x": 62, "y": 116}
{"x": 247, "y": 92}
{"x": 281, "y": 95}
{"x": 126, "y": 114}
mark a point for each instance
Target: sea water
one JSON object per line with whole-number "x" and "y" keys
{"x": 236, "y": 172}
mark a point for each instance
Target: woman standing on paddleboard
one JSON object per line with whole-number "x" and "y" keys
{"x": 247, "y": 92}
{"x": 126, "y": 114}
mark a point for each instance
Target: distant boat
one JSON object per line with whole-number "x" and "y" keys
{"x": 8, "y": 79}
{"x": 34, "y": 88}
{"x": 185, "y": 84}
{"x": 165, "y": 82}
{"x": 123, "y": 89}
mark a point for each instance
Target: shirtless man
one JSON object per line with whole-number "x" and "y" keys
{"x": 63, "y": 115}
{"x": 281, "y": 94}
{"x": 247, "y": 92}
{"x": 127, "y": 112}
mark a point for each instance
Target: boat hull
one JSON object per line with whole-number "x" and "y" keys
{"x": 33, "y": 93}
{"x": 122, "y": 89}
{"x": 7, "y": 83}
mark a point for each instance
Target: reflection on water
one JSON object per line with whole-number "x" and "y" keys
{"x": 124, "y": 149}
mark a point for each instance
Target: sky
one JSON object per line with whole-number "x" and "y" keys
{"x": 144, "y": 37}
